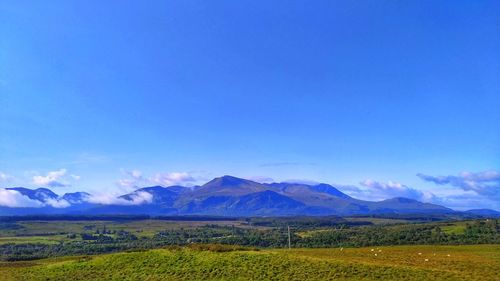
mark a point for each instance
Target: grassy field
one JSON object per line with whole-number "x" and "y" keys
{"x": 53, "y": 231}
{"x": 455, "y": 228}
{"x": 377, "y": 221}
{"x": 380, "y": 263}
{"x": 50, "y": 239}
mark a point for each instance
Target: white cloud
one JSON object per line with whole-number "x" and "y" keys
{"x": 14, "y": 199}
{"x": 59, "y": 178}
{"x": 102, "y": 198}
{"x": 136, "y": 198}
{"x": 136, "y": 174}
{"x": 128, "y": 183}
{"x": 136, "y": 179}
{"x": 52, "y": 179}
{"x": 380, "y": 190}
{"x": 5, "y": 177}
{"x": 485, "y": 183}
{"x": 465, "y": 200}
{"x": 57, "y": 203}
{"x": 352, "y": 191}
{"x": 140, "y": 197}
{"x": 174, "y": 178}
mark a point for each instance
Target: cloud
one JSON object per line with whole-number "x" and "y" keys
{"x": 57, "y": 203}
{"x": 467, "y": 200}
{"x": 140, "y": 197}
{"x": 174, "y": 178}
{"x": 352, "y": 190}
{"x": 5, "y": 177}
{"x": 54, "y": 179}
{"x": 136, "y": 198}
{"x": 135, "y": 179}
{"x": 136, "y": 174}
{"x": 128, "y": 183}
{"x": 485, "y": 183}
{"x": 14, "y": 199}
{"x": 103, "y": 198}
{"x": 392, "y": 189}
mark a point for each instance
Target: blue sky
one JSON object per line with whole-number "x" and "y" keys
{"x": 361, "y": 94}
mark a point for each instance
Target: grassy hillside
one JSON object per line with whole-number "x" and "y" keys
{"x": 478, "y": 262}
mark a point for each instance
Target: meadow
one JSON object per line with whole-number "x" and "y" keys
{"x": 58, "y": 229}
{"x": 323, "y": 248}
{"x": 217, "y": 262}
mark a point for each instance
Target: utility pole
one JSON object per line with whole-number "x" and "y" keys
{"x": 289, "y": 238}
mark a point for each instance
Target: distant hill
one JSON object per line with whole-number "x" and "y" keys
{"x": 226, "y": 196}
{"x": 76, "y": 197}
{"x": 39, "y": 194}
{"x": 484, "y": 213}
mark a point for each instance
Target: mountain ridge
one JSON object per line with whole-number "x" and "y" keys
{"x": 226, "y": 196}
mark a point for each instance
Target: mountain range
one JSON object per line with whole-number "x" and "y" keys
{"x": 223, "y": 196}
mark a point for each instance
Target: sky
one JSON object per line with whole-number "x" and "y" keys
{"x": 379, "y": 98}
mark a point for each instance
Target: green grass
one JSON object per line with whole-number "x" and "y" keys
{"x": 54, "y": 231}
{"x": 455, "y": 228}
{"x": 479, "y": 262}
{"x": 378, "y": 221}
{"x": 51, "y": 239}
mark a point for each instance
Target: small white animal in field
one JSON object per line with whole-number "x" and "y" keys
{"x": 426, "y": 259}
{"x": 375, "y": 254}
{"x": 419, "y": 254}
{"x": 448, "y": 255}
{"x": 373, "y": 250}
{"x": 380, "y": 251}
{"x": 341, "y": 249}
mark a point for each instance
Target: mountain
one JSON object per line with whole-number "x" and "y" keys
{"x": 266, "y": 203}
{"x": 224, "y": 196}
{"x": 263, "y": 203}
{"x": 39, "y": 194}
{"x": 328, "y": 189}
{"x": 160, "y": 195}
{"x": 405, "y": 205}
{"x": 484, "y": 213}
{"x": 76, "y": 197}
{"x": 229, "y": 185}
